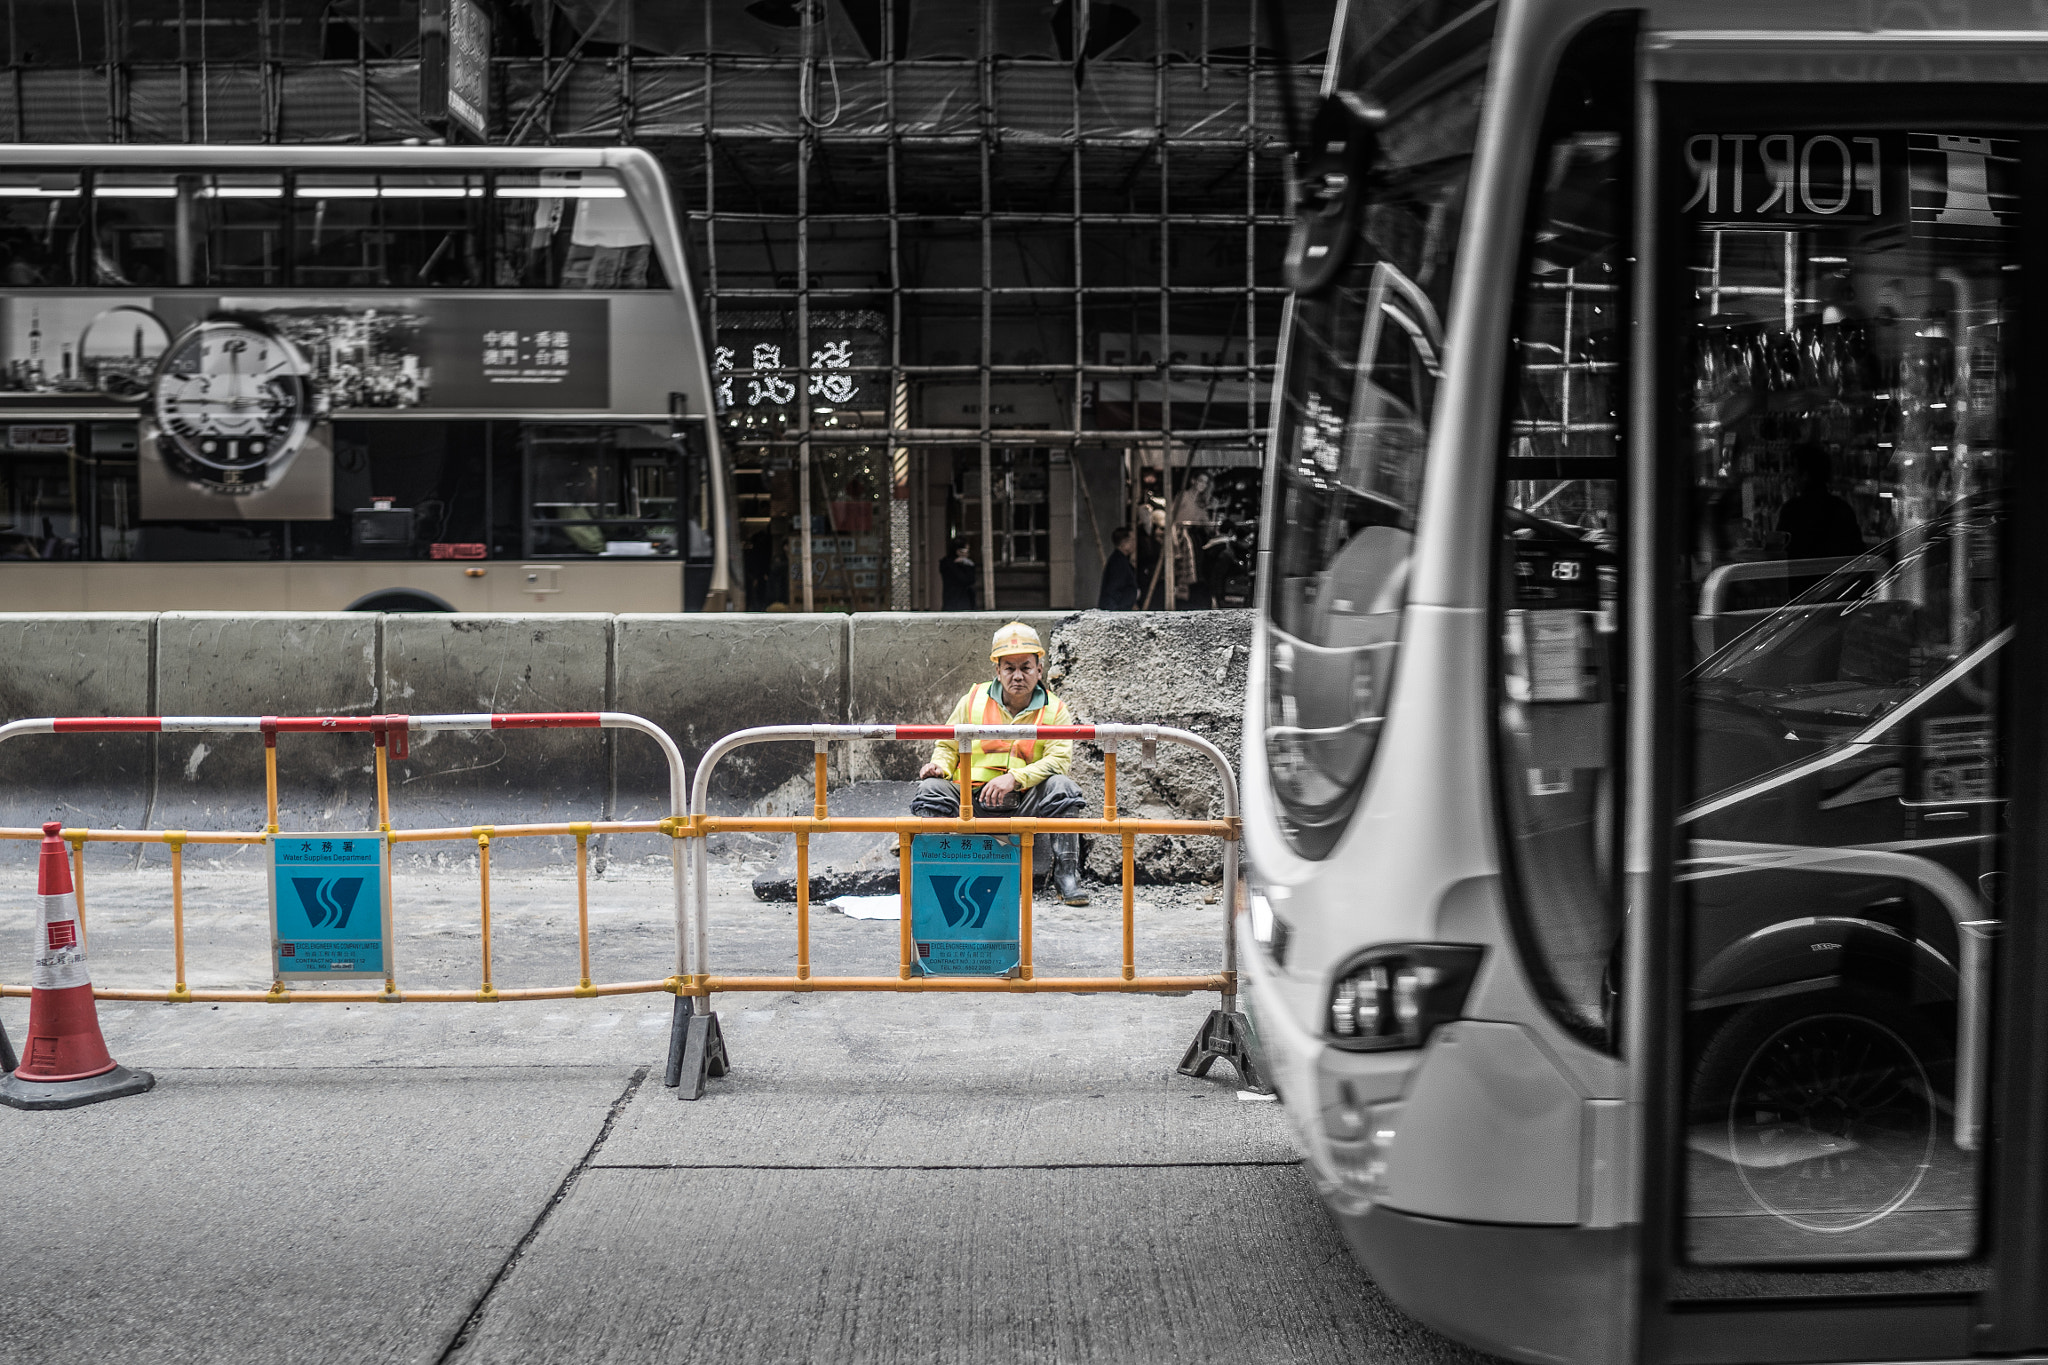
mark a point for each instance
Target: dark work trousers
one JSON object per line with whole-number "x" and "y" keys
{"x": 1055, "y": 798}
{"x": 1058, "y": 797}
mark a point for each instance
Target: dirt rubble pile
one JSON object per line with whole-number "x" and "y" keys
{"x": 1179, "y": 669}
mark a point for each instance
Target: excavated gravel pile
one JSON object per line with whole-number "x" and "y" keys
{"x": 1182, "y": 669}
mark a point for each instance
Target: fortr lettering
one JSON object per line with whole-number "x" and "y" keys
{"x": 1783, "y": 175}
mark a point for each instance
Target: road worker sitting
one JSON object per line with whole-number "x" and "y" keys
{"x": 1012, "y": 777}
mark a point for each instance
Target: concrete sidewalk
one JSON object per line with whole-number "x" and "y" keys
{"x": 880, "y": 1178}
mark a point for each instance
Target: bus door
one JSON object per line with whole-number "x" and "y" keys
{"x": 1842, "y": 962}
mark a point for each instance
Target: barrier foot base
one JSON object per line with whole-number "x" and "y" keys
{"x": 16, "y": 1093}
{"x": 696, "y": 1049}
{"x": 1226, "y": 1036}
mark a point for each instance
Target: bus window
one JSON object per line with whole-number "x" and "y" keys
{"x": 601, "y": 490}
{"x": 40, "y": 215}
{"x": 136, "y": 239}
{"x": 570, "y": 230}
{"x": 243, "y": 218}
{"x": 1351, "y": 448}
{"x": 1845, "y": 403}
{"x": 1556, "y": 567}
{"x": 399, "y": 230}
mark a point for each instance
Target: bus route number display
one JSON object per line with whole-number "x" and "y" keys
{"x": 963, "y": 904}
{"x": 329, "y": 906}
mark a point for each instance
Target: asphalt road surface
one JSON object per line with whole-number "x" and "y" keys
{"x": 880, "y": 1178}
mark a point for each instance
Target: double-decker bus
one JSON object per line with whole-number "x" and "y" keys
{"x": 1644, "y": 738}
{"x": 324, "y": 377}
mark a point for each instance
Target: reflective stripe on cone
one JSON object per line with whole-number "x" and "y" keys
{"x": 64, "y": 1041}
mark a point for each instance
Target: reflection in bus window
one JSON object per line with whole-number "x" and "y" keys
{"x": 611, "y": 490}
{"x": 570, "y": 230}
{"x": 135, "y": 230}
{"x": 1556, "y": 564}
{"x": 1845, "y": 404}
{"x": 242, "y": 219}
{"x": 393, "y": 230}
{"x": 1353, "y": 439}
{"x": 40, "y": 216}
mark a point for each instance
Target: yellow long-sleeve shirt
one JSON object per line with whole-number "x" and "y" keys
{"x": 1048, "y": 756}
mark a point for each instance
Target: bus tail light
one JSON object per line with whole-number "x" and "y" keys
{"x": 1393, "y": 996}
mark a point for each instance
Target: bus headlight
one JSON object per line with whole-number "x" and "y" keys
{"x": 1394, "y": 996}
{"x": 1269, "y": 931}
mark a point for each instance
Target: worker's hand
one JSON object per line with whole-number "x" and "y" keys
{"x": 931, "y": 770}
{"x": 997, "y": 791}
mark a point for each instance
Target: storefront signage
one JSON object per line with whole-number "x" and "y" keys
{"x": 469, "y": 67}
{"x": 759, "y": 371}
{"x": 1954, "y": 187}
{"x": 830, "y": 383}
{"x": 1737, "y": 176}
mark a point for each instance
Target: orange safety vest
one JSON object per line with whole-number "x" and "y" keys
{"x": 992, "y": 758}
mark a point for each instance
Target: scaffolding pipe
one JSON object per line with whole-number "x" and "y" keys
{"x": 988, "y": 489}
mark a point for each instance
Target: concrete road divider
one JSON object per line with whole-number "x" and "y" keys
{"x": 702, "y": 676}
{"x": 452, "y": 662}
{"x": 243, "y": 663}
{"x": 101, "y": 663}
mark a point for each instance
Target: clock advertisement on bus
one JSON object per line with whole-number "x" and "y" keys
{"x": 228, "y": 391}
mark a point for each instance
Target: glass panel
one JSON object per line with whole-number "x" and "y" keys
{"x": 243, "y": 217}
{"x": 601, "y": 490}
{"x": 1557, "y": 564}
{"x": 1361, "y": 379}
{"x": 136, "y": 239}
{"x": 571, "y": 230}
{"x": 393, "y": 230}
{"x": 40, "y": 217}
{"x": 1852, "y": 296}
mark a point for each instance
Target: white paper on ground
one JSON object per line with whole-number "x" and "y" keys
{"x": 889, "y": 906}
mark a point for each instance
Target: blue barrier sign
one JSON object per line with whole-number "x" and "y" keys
{"x": 963, "y": 904}
{"x": 329, "y": 905}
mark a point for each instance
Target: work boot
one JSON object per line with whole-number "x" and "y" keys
{"x": 1066, "y": 869}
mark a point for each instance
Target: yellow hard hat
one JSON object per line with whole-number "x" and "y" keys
{"x": 1015, "y": 638}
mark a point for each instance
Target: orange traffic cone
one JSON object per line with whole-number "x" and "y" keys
{"x": 67, "y": 1063}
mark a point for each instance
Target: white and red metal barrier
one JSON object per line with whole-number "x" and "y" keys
{"x": 1225, "y": 1035}
{"x": 390, "y": 734}
{"x": 695, "y": 1042}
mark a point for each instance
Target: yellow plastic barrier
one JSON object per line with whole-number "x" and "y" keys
{"x": 696, "y": 1045}
{"x": 390, "y": 735}
{"x": 1225, "y": 1035}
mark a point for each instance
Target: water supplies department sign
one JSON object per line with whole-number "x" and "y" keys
{"x": 327, "y": 905}
{"x": 963, "y": 904}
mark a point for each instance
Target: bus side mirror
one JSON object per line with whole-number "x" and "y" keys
{"x": 1343, "y": 143}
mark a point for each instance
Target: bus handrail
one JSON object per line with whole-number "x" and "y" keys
{"x": 1715, "y": 589}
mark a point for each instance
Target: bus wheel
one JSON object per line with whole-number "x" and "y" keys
{"x": 1823, "y": 1105}
{"x": 400, "y": 599}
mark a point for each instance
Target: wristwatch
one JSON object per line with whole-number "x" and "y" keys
{"x": 233, "y": 401}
